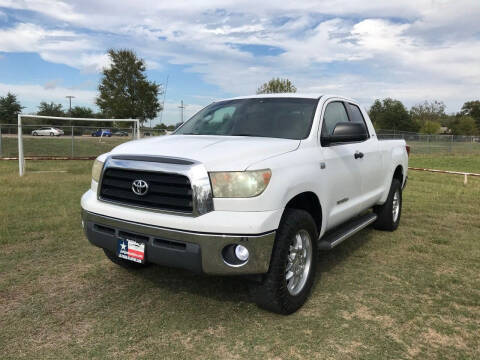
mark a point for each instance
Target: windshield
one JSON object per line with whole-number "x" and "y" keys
{"x": 288, "y": 118}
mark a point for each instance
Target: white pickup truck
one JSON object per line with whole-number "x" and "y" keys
{"x": 251, "y": 186}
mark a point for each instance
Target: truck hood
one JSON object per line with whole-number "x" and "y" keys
{"x": 217, "y": 153}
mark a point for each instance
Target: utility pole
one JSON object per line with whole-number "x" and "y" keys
{"x": 181, "y": 107}
{"x": 163, "y": 102}
{"x": 70, "y": 97}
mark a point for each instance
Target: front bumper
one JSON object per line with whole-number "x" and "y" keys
{"x": 196, "y": 251}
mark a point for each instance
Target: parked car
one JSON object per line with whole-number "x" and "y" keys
{"x": 47, "y": 131}
{"x": 120, "y": 133}
{"x": 248, "y": 186}
{"x": 102, "y": 132}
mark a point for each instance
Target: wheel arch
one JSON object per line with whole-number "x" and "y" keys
{"x": 398, "y": 174}
{"x": 309, "y": 202}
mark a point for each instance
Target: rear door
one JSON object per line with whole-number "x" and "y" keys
{"x": 342, "y": 171}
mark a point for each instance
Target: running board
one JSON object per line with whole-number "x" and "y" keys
{"x": 339, "y": 235}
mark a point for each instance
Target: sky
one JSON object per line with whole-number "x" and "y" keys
{"x": 411, "y": 50}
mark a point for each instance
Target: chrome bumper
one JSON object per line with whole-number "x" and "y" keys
{"x": 184, "y": 249}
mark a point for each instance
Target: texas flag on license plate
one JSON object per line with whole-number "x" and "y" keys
{"x": 131, "y": 250}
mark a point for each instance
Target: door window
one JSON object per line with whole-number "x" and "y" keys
{"x": 334, "y": 113}
{"x": 355, "y": 113}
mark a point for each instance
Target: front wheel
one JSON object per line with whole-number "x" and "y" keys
{"x": 290, "y": 278}
{"x": 35, "y": 133}
{"x": 390, "y": 212}
{"x": 51, "y": 134}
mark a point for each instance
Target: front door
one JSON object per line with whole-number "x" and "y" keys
{"x": 342, "y": 169}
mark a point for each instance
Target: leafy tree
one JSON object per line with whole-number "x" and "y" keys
{"x": 161, "y": 126}
{"x": 277, "y": 86}
{"x": 430, "y": 127}
{"x": 50, "y": 109}
{"x": 472, "y": 108}
{"x": 464, "y": 125}
{"x": 9, "y": 109}
{"x": 82, "y": 112}
{"x": 125, "y": 91}
{"x": 429, "y": 111}
{"x": 391, "y": 114}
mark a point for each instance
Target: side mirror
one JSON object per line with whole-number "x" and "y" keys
{"x": 346, "y": 132}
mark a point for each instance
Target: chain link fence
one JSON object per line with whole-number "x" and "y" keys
{"x": 88, "y": 141}
{"x": 65, "y": 141}
{"x": 431, "y": 144}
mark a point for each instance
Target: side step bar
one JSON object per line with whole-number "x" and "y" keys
{"x": 344, "y": 231}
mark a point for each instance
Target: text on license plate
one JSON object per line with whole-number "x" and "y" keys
{"x": 131, "y": 250}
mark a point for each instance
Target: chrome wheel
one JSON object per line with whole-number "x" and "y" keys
{"x": 396, "y": 206}
{"x": 298, "y": 262}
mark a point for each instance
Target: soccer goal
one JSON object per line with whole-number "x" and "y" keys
{"x": 67, "y": 138}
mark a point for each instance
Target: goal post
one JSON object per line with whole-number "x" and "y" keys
{"x": 21, "y": 153}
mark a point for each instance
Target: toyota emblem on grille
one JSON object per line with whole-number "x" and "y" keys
{"x": 139, "y": 187}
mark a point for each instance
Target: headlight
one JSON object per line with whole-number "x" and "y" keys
{"x": 97, "y": 170}
{"x": 239, "y": 184}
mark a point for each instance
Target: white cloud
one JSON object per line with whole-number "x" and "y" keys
{"x": 412, "y": 48}
{"x": 58, "y": 46}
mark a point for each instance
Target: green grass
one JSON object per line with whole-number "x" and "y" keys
{"x": 454, "y": 162}
{"x": 444, "y": 147}
{"x": 413, "y": 293}
{"x": 60, "y": 146}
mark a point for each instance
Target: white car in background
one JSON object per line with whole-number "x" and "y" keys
{"x": 47, "y": 131}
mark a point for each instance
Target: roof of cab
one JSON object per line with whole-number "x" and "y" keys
{"x": 280, "y": 95}
{"x": 290, "y": 95}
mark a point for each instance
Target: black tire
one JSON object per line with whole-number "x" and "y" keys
{"x": 52, "y": 134}
{"x": 35, "y": 133}
{"x": 127, "y": 264}
{"x": 386, "y": 219}
{"x": 272, "y": 293}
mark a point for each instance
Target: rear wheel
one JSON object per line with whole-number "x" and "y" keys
{"x": 127, "y": 264}
{"x": 35, "y": 133}
{"x": 390, "y": 212}
{"x": 51, "y": 134}
{"x": 290, "y": 278}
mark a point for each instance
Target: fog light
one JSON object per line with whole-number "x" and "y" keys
{"x": 241, "y": 252}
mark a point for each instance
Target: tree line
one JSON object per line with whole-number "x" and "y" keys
{"x": 428, "y": 117}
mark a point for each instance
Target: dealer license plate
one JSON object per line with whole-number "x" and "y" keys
{"x": 131, "y": 250}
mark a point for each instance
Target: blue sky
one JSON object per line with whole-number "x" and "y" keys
{"x": 410, "y": 50}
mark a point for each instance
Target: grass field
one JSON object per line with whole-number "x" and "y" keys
{"x": 414, "y": 293}
{"x": 453, "y": 162}
{"x": 89, "y": 146}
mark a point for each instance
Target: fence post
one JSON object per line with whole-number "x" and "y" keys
{"x": 0, "y": 141}
{"x": 21, "y": 162}
{"x": 72, "y": 141}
